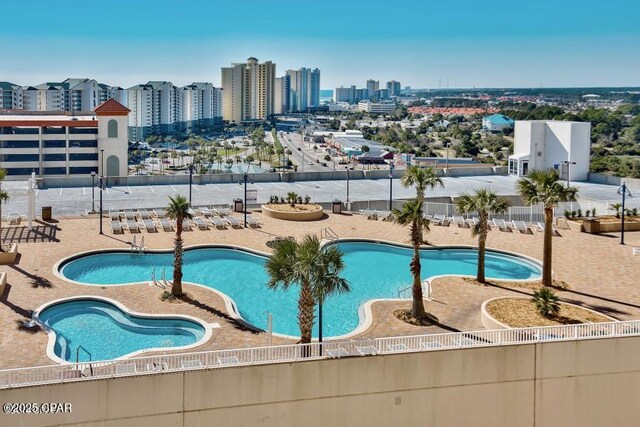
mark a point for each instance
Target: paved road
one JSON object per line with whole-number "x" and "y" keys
{"x": 76, "y": 201}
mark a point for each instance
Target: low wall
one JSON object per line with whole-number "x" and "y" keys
{"x": 585, "y": 383}
{"x": 293, "y": 216}
{"x": 608, "y": 227}
{"x": 599, "y": 178}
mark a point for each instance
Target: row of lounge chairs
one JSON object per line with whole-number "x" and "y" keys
{"x": 500, "y": 224}
{"x": 375, "y": 214}
{"x": 203, "y": 223}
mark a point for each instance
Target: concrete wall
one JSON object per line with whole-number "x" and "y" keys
{"x": 598, "y": 178}
{"x": 586, "y": 383}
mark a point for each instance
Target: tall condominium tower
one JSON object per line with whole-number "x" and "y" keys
{"x": 393, "y": 87}
{"x": 248, "y": 91}
{"x": 372, "y": 89}
{"x": 304, "y": 89}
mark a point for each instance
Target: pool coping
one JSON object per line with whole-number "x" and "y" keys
{"x": 208, "y": 327}
{"x": 365, "y": 313}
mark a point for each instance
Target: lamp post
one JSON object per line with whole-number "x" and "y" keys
{"x": 190, "y": 181}
{"x": 390, "y": 185}
{"x": 624, "y": 191}
{"x": 568, "y": 163}
{"x": 246, "y": 178}
{"x": 347, "y": 167}
{"x": 447, "y": 158}
{"x": 101, "y": 181}
{"x": 93, "y": 192}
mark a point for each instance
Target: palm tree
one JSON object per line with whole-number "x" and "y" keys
{"x": 422, "y": 178}
{"x": 545, "y": 187}
{"x": 482, "y": 202}
{"x": 4, "y": 196}
{"x": 178, "y": 210}
{"x": 411, "y": 215}
{"x": 316, "y": 271}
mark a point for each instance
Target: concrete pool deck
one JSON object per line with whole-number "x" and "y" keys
{"x": 602, "y": 275}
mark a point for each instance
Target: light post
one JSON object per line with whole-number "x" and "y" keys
{"x": 347, "y": 167}
{"x": 246, "y": 178}
{"x": 93, "y": 192}
{"x": 390, "y": 185}
{"x": 190, "y": 181}
{"x": 624, "y": 191}
{"x": 101, "y": 181}
{"x": 568, "y": 163}
{"x": 446, "y": 166}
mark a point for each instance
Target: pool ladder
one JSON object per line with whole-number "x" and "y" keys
{"x": 426, "y": 290}
{"x": 163, "y": 282}
{"x": 135, "y": 248}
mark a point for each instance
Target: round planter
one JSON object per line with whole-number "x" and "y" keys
{"x": 489, "y": 322}
{"x": 312, "y": 212}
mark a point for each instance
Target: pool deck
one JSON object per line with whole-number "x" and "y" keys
{"x": 601, "y": 273}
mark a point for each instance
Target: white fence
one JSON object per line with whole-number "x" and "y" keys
{"x": 22, "y": 377}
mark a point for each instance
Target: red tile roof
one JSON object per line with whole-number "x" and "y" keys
{"x": 111, "y": 107}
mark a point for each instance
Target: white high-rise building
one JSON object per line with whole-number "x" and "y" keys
{"x": 248, "y": 91}
{"x": 200, "y": 104}
{"x": 304, "y": 89}
{"x": 372, "y": 89}
{"x": 393, "y": 86}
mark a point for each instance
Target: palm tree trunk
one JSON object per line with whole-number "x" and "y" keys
{"x": 176, "y": 287}
{"x": 306, "y": 304}
{"x": 547, "y": 247}
{"x": 417, "y": 307}
{"x": 482, "y": 243}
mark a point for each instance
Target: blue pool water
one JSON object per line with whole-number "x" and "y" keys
{"x": 373, "y": 270}
{"x": 108, "y": 333}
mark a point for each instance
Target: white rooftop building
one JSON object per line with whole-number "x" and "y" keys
{"x": 542, "y": 144}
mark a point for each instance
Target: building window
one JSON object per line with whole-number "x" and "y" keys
{"x": 112, "y": 129}
{"x": 53, "y": 130}
{"x": 55, "y": 171}
{"x": 55, "y": 144}
{"x": 22, "y": 171}
{"x": 83, "y": 156}
{"x": 19, "y": 144}
{"x": 83, "y": 144}
{"x": 525, "y": 168}
{"x": 92, "y": 131}
{"x": 83, "y": 170}
{"x": 20, "y": 158}
{"x": 61, "y": 157}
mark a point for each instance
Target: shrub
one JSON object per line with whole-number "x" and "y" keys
{"x": 634, "y": 211}
{"x": 282, "y": 200}
{"x": 547, "y": 302}
{"x": 307, "y": 199}
{"x": 567, "y": 214}
{"x": 299, "y": 200}
{"x": 587, "y": 213}
{"x": 579, "y": 213}
{"x": 573, "y": 214}
{"x": 593, "y": 211}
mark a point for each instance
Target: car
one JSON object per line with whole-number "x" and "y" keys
{"x": 311, "y": 163}
{"x": 299, "y": 149}
{"x": 324, "y": 164}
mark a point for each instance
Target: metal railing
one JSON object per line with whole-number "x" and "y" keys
{"x": 328, "y": 234}
{"x": 22, "y": 377}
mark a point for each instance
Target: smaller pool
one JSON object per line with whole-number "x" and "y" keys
{"x": 96, "y": 327}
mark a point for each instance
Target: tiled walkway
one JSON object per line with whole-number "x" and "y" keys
{"x": 601, "y": 273}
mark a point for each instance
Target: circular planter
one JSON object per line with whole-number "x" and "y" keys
{"x": 306, "y": 213}
{"x": 490, "y": 322}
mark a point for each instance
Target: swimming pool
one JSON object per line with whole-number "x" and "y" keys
{"x": 97, "y": 329}
{"x": 375, "y": 271}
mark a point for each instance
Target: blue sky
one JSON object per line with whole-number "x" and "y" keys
{"x": 516, "y": 43}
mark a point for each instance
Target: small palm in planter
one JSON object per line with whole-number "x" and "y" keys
{"x": 547, "y": 302}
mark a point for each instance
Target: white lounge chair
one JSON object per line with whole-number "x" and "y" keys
{"x": 157, "y": 367}
{"x": 186, "y": 225}
{"x": 160, "y": 213}
{"x": 384, "y": 215}
{"x": 252, "y": 221}
{"x": 472, "y": 221}
{"x": 218, "y": 223}
{"x": 501, "y": 224}
{"x": 129, "y": 214}
{"x": 165, "y": 224}
{"x": 116, "y": 227}
{"x": 14, "y": 219}
{"x": 143, "y": 214}
{"x": 368, "y": 213}
{"x": 228, "y": 360}
{"x": 114, "y": 215}
{"x": 522, "y": 227}
{"x": 191, "y": 364}
{"x": 440, "y": 219}
{"x": 460, "y": 222}
{"x": 636, "y": 251}
{"x": 233, "y": 222}
{"x": 149, "y": 225}
{"x": 200, "y": 223}
{"x": 132, "y": 225}
{"x": 540, "y": 227}
{"x": 206, "y": 212}
{"x": 223, "y": 211}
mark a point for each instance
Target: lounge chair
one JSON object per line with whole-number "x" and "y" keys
{"x": 384, "y": 215}
{"x": 222, "y": 211}
{"x": 14, "y": 219}
{"x": 460, "y": 222}
{"x": 440, "y": 219}
{"x": 228, "y": 360}
{"x": 129, "y": 214}
{"x": 114, "y": 215}
{"x": 160, "y": 213}
{"x": 252, "y": 221}
{"x": 132, "y": 225}
{"x": 522, "y": 227}
{"x": 206, "y": 212}
{"x": 233, "y": 222}
{"x": 472, "y": 221}
{"x": 636, "y": 251}
{"x": 218, "y": 223}
{"x": 186, "y": 225}
{"x": 116, "y": 227}
{"x": 157, "y": 367}
{"x": 165, "y": 224}
{"x": 191, "y": 364}
{"x": 501, "y": 224}
{"x": 143, "y": 214}
{"x": 149, "y": 225}
{"x": 540, "y": 227}
{"x": 202, "y": 225}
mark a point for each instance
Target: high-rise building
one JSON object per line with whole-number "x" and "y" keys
{"x": 314, "y": 90}
{"x": 304, "y": 89}
{"x": 199, "y": 105}
{"x": 248, "y": 91}
{"x": 281, "y": 95}
{"x": 10, "y": 96}
{"x": 372, "y": 89}
{"x": 393, "y": 87}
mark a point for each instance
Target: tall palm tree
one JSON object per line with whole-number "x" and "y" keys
{"x": 545, "y": 187}
{"x": 4, "y": 196}
{"x": 316, "y": 271}
{"x": 411, "y": 216}
{"x": 178, "y": 210}
{"x": 482, "y": 202}
{"x": 423, "y": 179}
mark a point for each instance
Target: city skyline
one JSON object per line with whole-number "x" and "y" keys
{"x": 422, "y": 44}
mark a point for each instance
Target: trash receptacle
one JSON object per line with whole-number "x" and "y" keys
{"x": 336, "y": 207}
{"x": 238, "y": 205}
{"x": 46, "y": 213}
{"x": 591, "y": 225}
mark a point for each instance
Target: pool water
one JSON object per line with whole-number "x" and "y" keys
{"x": 373, "y": 270}
{"x": 106, "y": 332}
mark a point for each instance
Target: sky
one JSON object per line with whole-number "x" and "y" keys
{"x": 421, "y": 43}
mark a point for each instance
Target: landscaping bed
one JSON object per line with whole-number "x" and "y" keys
{"x": 297, "y": 212}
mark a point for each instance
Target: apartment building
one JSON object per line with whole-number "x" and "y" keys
{"x": 393, "y": 87}
{"x": 304, "y": 89}
{"x": 248, "y": 91}
{"x": 377, "y": 107}
{"x": 62, "y": 143}
{"x": 372, "y": 90}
